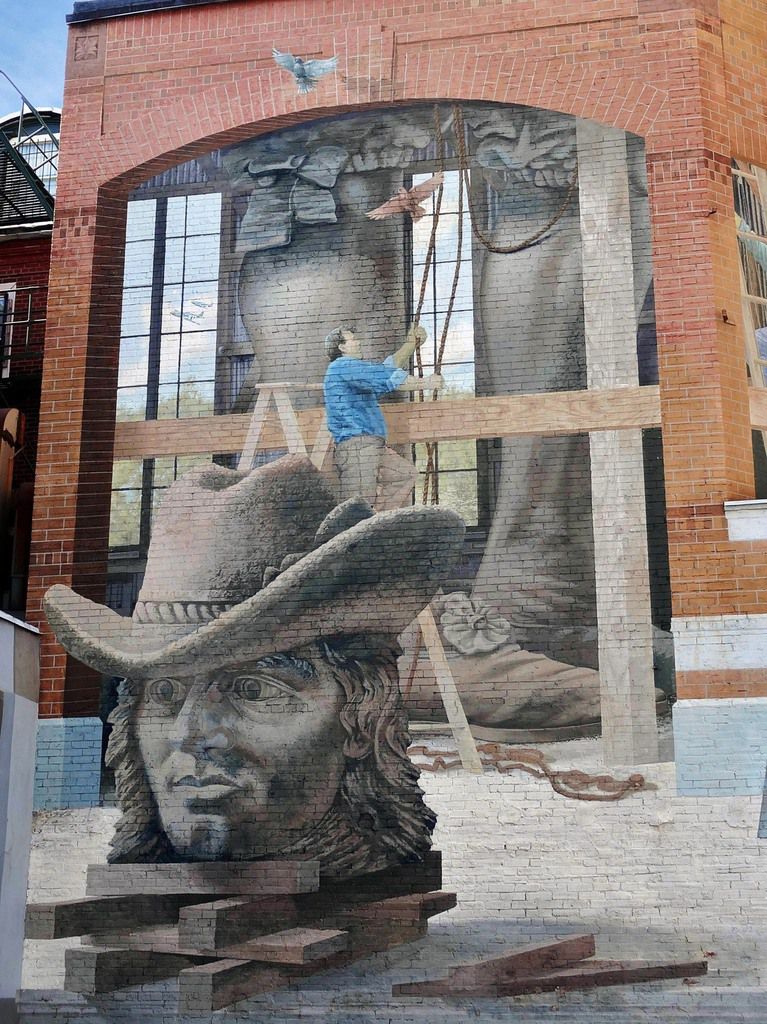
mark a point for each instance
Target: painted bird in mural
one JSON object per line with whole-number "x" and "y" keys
{"x": 408, "y": 200}
{"x": 305, "y": 72}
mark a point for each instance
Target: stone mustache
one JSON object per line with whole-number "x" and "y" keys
{"x": 259, "y": 713}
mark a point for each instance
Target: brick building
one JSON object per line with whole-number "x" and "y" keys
{"x": 637, "y": 377}
{"x": 29, "y": 148}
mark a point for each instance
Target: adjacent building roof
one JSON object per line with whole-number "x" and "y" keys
{"x": 96, "y": 10}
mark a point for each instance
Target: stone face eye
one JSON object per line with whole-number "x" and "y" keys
{"x": 256, "y": 688}
{"x": 166, "y": 691}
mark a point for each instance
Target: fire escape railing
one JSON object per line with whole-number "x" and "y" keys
{"x": 24, "y": 197}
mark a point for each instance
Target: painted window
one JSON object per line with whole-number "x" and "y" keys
{"x": 7, "y": 295}
{"x": 167, "y": 343}
{"x": 170, "y": 308}
{"x": 454, "y": 479}
{"x": 750, "y": 185}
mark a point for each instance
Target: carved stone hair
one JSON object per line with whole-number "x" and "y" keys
{"x": 378, "y": 817}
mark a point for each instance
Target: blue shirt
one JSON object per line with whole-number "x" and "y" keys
{"x": 352, "y": 389}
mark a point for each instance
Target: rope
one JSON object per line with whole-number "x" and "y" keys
{"x": 463, "y": 164}
{"x": 574, "y": 784}
{"x": 430, "y": 493}
{"x": 430, "y": 480}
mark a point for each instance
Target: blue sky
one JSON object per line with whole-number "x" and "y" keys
{"x": 32, "y": 51}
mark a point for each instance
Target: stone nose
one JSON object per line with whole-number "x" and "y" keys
{"x": 201, "y": 723}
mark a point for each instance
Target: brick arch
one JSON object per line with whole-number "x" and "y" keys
{"x": 231, "y": 113}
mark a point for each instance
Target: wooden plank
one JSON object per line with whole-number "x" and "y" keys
{"x": 588, "y": 974}
{"x": 223, "y": 923}
{"x": 76, "y": 917}
{"x": 293, "y": 436}
{"x": 94, "y": 969}
{"x": 550, "y": 413}
{"x": 292, "y": 946}
{"x": 257, "y": 878}
{"x": 211, "y": 986}
{"x": 284, "y": 946}
{"x": 533, "y": 959}
{"x": 402, "y": 880}
{"x": 624, "y": 615}
{"x": 456, "y": 716}
{"x": 601, "y": 973}
{"x": 483, "y": 976}
{"x": 255, "y": 429}
{"x": 401, "y": 909}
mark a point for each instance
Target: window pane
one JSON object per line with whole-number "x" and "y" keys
{"x": 459, "y": 380}
{"x": 134, "y": 362}
{"x": 447, "y": 237}
{"x": 139, "y": 223}
{"x": 748, "y": 206}
{"x": 459, "y": 346}
{"x": 457, "y": 454}
{"x": 463, "y": 296}
{"x": 195, "y": 399}
{"x": 158, "y": 494}
{"x": 175, "y": 224}
{"x": 200, "y": 307}
{"x": 138, "y": 264}
{"x": 127, "y": 473}
{"x": 458, "y": 491}
{"x": 167, "y": 401}
{"x": 186, "y": 462}
{"x": 198, "y": 356}
{"x": 137, "y": 307}
{"x": 125, "y": 519}
{"x": 174, "y": 260}
{"x": 201, "y": 259}
{"x": 169, "y": 351}
{"x": 131, "y": 404}
{"x": 421, "y": 235}
{"x": 204, "y": 214}
{"x": 171, "y": 308}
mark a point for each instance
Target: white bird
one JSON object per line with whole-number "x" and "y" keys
{"x": 305, "y": 72}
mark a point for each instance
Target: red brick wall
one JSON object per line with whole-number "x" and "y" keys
{"x": 159, "y": 88}
{"x": 25, "y": 262}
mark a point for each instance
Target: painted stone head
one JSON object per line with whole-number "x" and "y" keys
{"x": 259, "y": 713}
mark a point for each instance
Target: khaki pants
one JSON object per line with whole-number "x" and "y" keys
{"x": 368, "y": 469}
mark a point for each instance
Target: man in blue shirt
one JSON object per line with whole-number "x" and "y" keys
{"x": 366, "y": 467}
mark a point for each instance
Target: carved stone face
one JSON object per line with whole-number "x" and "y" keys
{"x": 242, "y": 761}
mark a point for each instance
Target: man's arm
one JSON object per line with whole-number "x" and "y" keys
{"x": 433, "y": 382}
{"x": 416, "y": 336}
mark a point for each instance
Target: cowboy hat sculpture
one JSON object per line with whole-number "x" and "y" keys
{"x": 260, "y": 713}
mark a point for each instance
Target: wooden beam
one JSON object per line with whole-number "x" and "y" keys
{"x": 624, "y": 614}
{"x": 451, "y": 419}
{"x": 260, "y": 878}
{"x": 224, "y": 923}
{"x": 94, "y": 969}
{"x": 292, "y": 946}
{"x": 77, "y": 917}
{"x": 211, "y": 986}
{"x": 591, "y": 974}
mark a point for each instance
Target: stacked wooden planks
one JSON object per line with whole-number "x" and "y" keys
{"x": 229, "y": 930}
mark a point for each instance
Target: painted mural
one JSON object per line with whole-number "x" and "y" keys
{"x": 332, "y": 239}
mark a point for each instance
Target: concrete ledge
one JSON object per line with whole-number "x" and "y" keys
{"x": 720, "y": 642}
{"x": 720, "y": 746}
{"x": 746, "y": 520}
{"x": 68, "y": 768}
